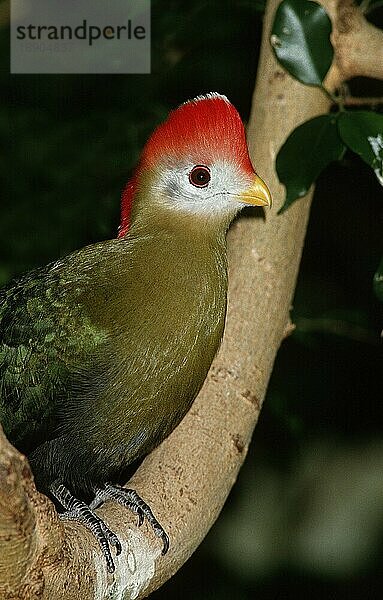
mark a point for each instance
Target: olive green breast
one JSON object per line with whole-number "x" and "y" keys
{"x": 165, "y": 313}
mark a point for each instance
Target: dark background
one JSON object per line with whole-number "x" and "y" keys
{"x": 306, "y": 516}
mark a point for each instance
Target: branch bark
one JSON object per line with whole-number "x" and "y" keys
{"x": 358, "y": 44}
{"x": 187, "y": 479}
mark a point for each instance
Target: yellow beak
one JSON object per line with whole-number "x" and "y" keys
{"x": 258, "y": 194}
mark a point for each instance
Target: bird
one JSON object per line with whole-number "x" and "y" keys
{"x": 103, "y": 351}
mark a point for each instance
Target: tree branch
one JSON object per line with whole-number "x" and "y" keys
{"x": 357, "y": 43}
{"x": 188, "y": 477}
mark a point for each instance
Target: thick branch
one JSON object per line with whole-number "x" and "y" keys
{"x": 187, "y": 479}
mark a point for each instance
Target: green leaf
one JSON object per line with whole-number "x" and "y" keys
{"x": 305, "y": 153}
{"x": 362, "y": 132}
{"x": 300, "y": 38}
{"x": 378, "y": 281}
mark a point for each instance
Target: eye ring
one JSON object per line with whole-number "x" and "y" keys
{"x": 200, "y": 176}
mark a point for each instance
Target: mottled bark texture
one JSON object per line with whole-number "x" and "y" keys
{"x": 187, "y": 479}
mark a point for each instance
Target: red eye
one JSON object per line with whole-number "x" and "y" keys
{"x": 199, "y": 176}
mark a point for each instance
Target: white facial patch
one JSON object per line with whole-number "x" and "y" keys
{"x": 221, "y": 196}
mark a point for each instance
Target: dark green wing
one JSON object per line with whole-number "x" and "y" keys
{"x": 45, "y": 343}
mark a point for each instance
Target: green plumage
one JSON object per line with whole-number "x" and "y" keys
{"x": 102, "y": 352}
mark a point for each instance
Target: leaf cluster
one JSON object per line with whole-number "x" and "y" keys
{"x": 300, "y": 39}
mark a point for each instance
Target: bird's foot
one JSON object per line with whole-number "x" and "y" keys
{"x": 130, "y": 499}
{"x": 77, "y": 510}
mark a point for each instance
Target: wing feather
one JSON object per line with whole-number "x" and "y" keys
{"x": 46, "y": 340}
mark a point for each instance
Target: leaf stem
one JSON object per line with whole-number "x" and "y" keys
{"x": 337, "y": 99}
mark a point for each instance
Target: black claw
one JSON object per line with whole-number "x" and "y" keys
{"x": 165, "y": 540}
{"x": 110, "y": 566}
{"x": 141, "y": 518}
{"x": 134, "y": 502}
{"x": 117, "y": 544}
{"x": 161, "y": 533}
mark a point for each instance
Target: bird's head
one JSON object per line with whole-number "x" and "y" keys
{"x": 195, "y": 163}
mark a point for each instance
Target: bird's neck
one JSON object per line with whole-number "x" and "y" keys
{"x": 180, "y": 248}
{"x": 152, "y": 212}
{"x": 180, "y": 262}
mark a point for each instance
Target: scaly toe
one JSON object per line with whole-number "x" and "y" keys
{"x": 79, "y": 511}
{"x": 130, "y": 499}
